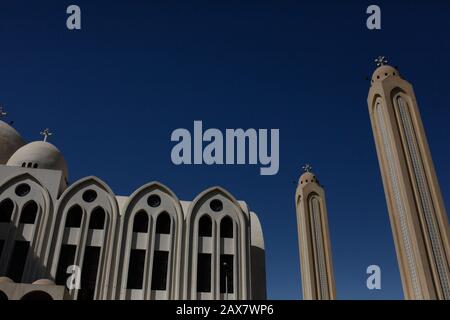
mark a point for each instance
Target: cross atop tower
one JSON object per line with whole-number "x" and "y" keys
{"x": 307, "y": 167}
{"x": 381, "y": 61}
{"x": 46, "y": 133}
{"x": 3, "y": 113}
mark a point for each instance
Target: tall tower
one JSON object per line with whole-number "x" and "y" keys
{"x": 314, "y": 239}
{"x": 416, "y": 209}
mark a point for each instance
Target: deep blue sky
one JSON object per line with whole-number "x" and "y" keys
{"x": 113, "y": 92}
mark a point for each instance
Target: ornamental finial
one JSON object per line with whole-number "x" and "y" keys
{"x": 46, "y": 133}
{"x": 3, "y": 113}
{"x": 381, "y": 61}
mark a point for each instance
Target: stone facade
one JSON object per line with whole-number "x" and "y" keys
{"x": 149, "y": 245}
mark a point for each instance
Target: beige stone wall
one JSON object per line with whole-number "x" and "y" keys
{"x": 314, "y": 240}
{"x": 416, "y": 209}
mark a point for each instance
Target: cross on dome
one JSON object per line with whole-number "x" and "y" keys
{"x": 3, "y": 113}
{"x": 46, "y": 133}
{"x": 307, "y": 167}
{"x": 381, "y": 61}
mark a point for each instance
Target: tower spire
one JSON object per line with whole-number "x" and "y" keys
{"x": 314, "y": 239}
{"x": 416, "y": 209}
{"x": 46, "y": 133}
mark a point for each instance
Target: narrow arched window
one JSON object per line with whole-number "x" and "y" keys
{"x": 3, "y": 296}
{"x": 140, "y": 223}
{"x": 136, "y": 263}
{"x": 29, "y": 213}
{"x": 163, "y": 223}
{"x": 21, "y": 248}
{"x": 226, "y": 228}
{"x": 74, "y": 216}
{"x": 97, "y": 220}
{"x": 68, "y": 250}
{"x": 37, "y": 296}
{"x": 6, "y": 210}
{"x": 18, "y": 259}
{"x": 205, "y": 227}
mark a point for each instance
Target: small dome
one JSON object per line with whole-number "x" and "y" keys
{"x": 308, "y": 177}
{"x": 44, "y": 282}
{"x": 10, "y": 141}
{"x": 39, "y": 154}
{"x": 384, "y": 72}
{"x": 5, "y": 280}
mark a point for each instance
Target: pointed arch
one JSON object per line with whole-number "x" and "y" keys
{"x": 157, "y": 252}
{"x": 200, "y": 261}
{"x": 26, "y": 244}
{"x": 91, "y": 243}
{"x": 373, "y": 102}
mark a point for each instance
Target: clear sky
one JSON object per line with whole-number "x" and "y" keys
{"x": 113, "y": 93}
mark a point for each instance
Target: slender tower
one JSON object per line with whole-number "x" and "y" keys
{"x": 416, "y": 209}
{"x": 314, "y": 239}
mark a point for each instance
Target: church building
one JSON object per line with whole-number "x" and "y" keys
{"x": 61, "y": 240}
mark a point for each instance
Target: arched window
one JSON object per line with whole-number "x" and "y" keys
{"x": 21, "y": 246}
{"x": 29, "y": 213}
{"x": 3, "y": 296}
{"x": 137, "y": 256}
{"x": 226, "y": 228}
{"x": 140, "y": 223}
{"x": 74, "y": 216}
{"x": 97, "y": 220}
{"x": 6, "y": 210}
{"x": 37, "y": 296}
{"x": 18, "y": 260}
{"x": 205, "y": 226}
{"x": 68, "y": 250}
{"x": 91, "y": 258}
{"x": 163, "y": 223}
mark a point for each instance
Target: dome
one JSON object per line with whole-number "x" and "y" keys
{"x": 5, "y": 280}
{"x": 44, "y": 282}
{"x": 384, "y": 72}
{"x": 308, "y": 177}
{"x": 39, "y": 154}
{"x": 10, "y": 141}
